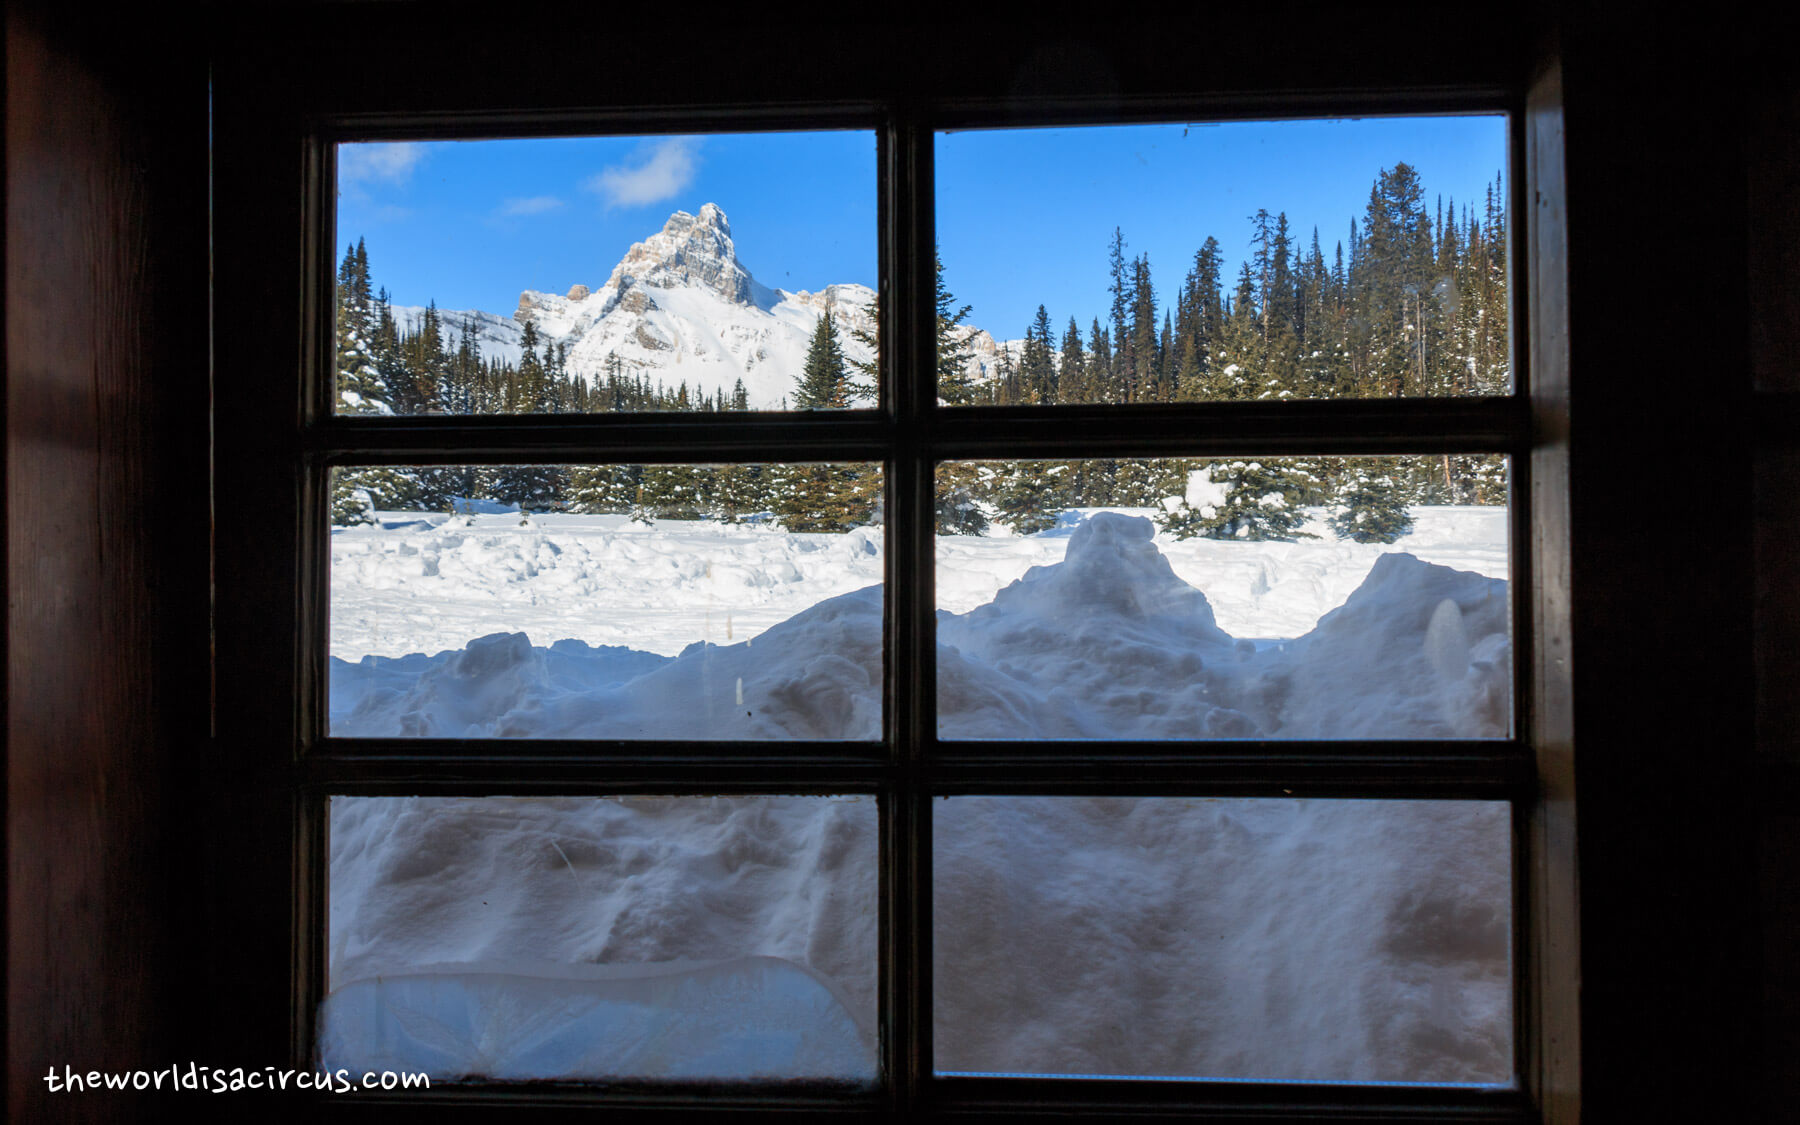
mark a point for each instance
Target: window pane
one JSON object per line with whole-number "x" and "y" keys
{"x": 587, "y": 937}
{"x": 1247, "y": 260}
{"x": 607, "y": 601}
{"x": 1275, "y": 940}
{"x": 598, "y": 274}
{"x": 1322, "y": 597}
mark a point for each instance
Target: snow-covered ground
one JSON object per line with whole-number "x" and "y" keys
{"x": 1305, "y": 940}
{"x": 427, "y": 582}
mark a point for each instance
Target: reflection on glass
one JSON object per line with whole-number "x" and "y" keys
{"x": 1241, "y": 261}
{"x": 1316, "y": 597}
{"x": 607, "y": 601}
{"x": 1274, "y": 940}
{"x": 670, "y": 938}
{"x": 603, "y": 274}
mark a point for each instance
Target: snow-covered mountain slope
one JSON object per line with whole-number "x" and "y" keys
{"x": 680, "y": 307}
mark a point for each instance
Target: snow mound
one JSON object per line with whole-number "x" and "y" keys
{"x": 816, "y": 675}
{"x": 695, "y": 937}
{"x": 1281, "y": 940}
{"x": 743, "y": 1019}
{"x": 1107, "y": 643}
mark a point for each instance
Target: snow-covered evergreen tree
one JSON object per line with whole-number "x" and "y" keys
{"x": 1371, "y": 502}
{"x": 957, "y": 499}
{"x": 603, "y": 489}
{"x": 823, "y": 497}
{"x": 1242, "y": 500}
{"x": 1028, "y": 495}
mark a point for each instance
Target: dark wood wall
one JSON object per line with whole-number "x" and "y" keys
{"x": 106, "y": 503}
{"x": 1771, "y": 121}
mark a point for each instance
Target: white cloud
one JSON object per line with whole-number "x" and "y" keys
{"x": 659, "y": 173}
{"x": 392, "y": 163}
{"x": 533, "y": 205}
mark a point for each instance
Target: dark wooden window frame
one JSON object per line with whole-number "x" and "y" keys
{"x": 276, "y": 562}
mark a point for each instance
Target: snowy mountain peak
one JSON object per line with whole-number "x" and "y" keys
{"x": 689, "y": 251}
{"x": 680, "y": 308}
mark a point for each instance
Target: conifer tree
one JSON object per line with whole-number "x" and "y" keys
{"x": 738, "y": 491}
{"x": 1198, "y": 321}
{"x": 954, "y": 385}
{"x": 1099, "y": 365}
{"x": 359, "y": 383}
{"x": 1028, "y": 495}
{"x": 822, "y": 384}
{"x": 1037, "y": 365}
{"x": 864, "y": 384}
{"x": 1252, "y": 500}
{"x": 604, "y": 489}
{"x": 674, "y": 492}
{"x": 957, "y": 498}
{"x": 1112, "y": 382}
{"x": 1370, "y": 503}
{"x": 1071, "y": 380}
{"x": 818, "y": 497}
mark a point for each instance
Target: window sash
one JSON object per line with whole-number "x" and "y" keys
{"x": 909, "y": 434}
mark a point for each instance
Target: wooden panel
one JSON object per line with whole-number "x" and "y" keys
{"x": 105, "y": 429}
{"x": 1661, "y": 585}
{"x": 1553, "y": 976}
{"x": 1772, "y": 114}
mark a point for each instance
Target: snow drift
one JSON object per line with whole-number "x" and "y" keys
{"x": 1107, "y": 643}
{"x": 580, "y": 937}
{"x": 1315, "y": 940}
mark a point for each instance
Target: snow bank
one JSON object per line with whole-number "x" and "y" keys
{"x": 747, "y": 1019}
{"x": 479, "y": 901}
{"x": 1107, "y": 643}
{"x": 1302, "y": 940}
{"x": 736, "y": 937}
{"x": 1254, "y": 939}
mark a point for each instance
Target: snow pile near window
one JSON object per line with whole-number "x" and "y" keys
{"x": 1107, "y": 643}
{"x": 1275, "y": 939}
{"x": 1282, "y": 940}
{"x": 746, "y": 1019}
{"x": 1299, "y": 940}
{"x": 644, "y": 936}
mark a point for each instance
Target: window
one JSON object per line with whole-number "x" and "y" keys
{"x": 928, "y": 779}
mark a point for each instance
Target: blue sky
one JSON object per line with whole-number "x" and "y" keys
{"x": 1024, "y": 216}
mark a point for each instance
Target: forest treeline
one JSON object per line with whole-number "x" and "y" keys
{"x": 1411, "y": 303}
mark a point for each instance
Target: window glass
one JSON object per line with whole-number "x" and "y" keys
{"x": 1276, "y": 597}
{"x": 1246, "y": 260}
{"x": 588, "y": 937}
{"x": 606, "y": 274}
{"x": 607, "y": 601}
{"x": 1235, "y": 939}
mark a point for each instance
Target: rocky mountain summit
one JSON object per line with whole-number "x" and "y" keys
{"x": 680, "y": 307}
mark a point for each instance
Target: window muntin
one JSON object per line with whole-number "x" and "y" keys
{"x": 910, "y": 452}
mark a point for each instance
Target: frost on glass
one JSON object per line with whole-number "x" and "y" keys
{"x": 1250, "y": 939}
{"x": 1312, "y": 598}
{"x": 1226, "y": 262}
{"x": 654, "y": 938}
{"x": 606, "y": 601}
{"x": 606, "y": 274}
